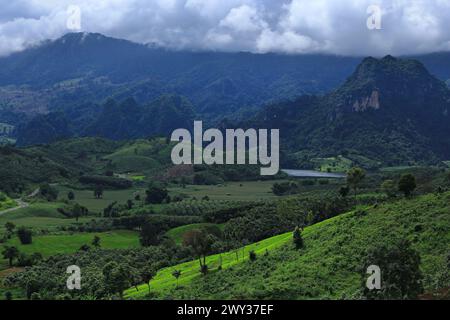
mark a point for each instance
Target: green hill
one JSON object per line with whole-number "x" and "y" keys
{"x": 329, "y": 267}
{"x": 141, "y": 155}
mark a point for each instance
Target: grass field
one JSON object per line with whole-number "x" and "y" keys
{"x": 69, "y": 243}
{"x": 176, "y": 234}
{"x": 86, "y": 197}
{"x": 38, "y": 216}
{"x": 247, "y": 190}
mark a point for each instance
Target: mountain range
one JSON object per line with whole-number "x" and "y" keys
{"x": 388, "y": 111}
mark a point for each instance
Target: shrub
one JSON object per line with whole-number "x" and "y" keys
{"x": 297, "y": 238}
{"x": 25, "y": 235}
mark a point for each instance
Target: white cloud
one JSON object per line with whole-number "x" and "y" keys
{"x": 291, "y": 26}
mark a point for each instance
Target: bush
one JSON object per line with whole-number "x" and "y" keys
{"x": 156, "y": 195}
{"x": 48, "y": 192}
{"x": 25, "y": 235}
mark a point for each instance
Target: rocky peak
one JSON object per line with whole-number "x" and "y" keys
{"x": 388, "y": 82}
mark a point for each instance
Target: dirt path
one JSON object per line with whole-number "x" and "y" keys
{"x": 20, "y": 203}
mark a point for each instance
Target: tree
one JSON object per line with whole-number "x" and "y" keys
{"x": 401, "y": 277}
{"x": 354, "y": 177}
{"x": 78, "y": 211}
{"x": 155, "y": 195}
{"x": 389, "y": 188}
{"x": 407, "y": 184}
{"x": 116, "y": 278}
{"x": 297, "y": 238}
{"x": 9, "y": 226}
{"x": 176, "y": 274}
{"x": 344, "y": 191}
{"x": 252, "y": 255}
{"x": 200, "y": 242}
{"x": 96, "y": 241}
{"x": 25, "y": 235}
{"x": 71, "y": 195}
{"x": 130, "y": 204}
{"x": 48, "y": 192}
{"x": 147, "y": 275}
{"x": 10, "y": 253}
{"x": 98, "y": 192}
{"x": 149, "y": 234}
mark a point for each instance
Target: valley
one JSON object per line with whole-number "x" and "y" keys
{"x": 87, "y": 177}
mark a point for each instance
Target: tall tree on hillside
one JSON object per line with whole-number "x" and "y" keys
{"x": 200, "y": 242}
{"x": 147, "y": 275}
{"x": 10, "y": 253}
{"x": 297, "y": 238}
{"x": 176, "y": 274}
{"x": 354, "y": 178}
{"x": 407, "y": 184}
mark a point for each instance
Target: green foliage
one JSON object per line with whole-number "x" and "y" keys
{"x": 400, "y": 272}
{"x": 407, "y": 184}
{"x": 25, "y": 235}
{"x": 200, "y": 241}
{"x": 48, "y": 192}
{"x": 389, "y": 188}
{"x": 297, "y": 238}
{"x": 10, "y": 253}
{"x": 96, "y": 241}
{"x": 284, "y": 188}
{"x": 148, "y": 235}
{"x": 48, "y": 279}
{"x": 155, "y": 194}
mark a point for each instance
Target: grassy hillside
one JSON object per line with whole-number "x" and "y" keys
{"x": 176, "y": 234}
{"x": 141, "y": 156}
{"x": 41, "y": 215}
{"x": 330, "y": 264}
{"x": 49, "y": 245}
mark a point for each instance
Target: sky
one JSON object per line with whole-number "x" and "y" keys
{"x": 343, "y": 27}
